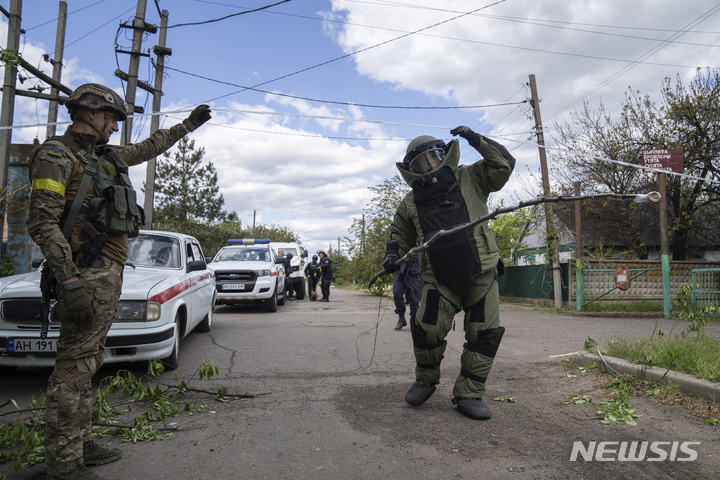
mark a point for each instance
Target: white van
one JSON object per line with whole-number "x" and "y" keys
{"x": 297, "y": 262}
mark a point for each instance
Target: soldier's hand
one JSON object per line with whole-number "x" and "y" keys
{"x": 76, "y": 304}
{"x": 389, "y": 264}
{"x": 462, "y": 130}
{"x": 197, "y": 117}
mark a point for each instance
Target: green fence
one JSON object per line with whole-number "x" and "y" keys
{"x": 706, "y": 287}
{"x": 532, "y": 281}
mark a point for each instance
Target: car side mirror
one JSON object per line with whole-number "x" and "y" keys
{"x": 195, "y": 265}
{"x": 303, "y": 253}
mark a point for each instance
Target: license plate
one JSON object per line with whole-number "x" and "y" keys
{"x": 233, "y": 286}
{"x": 31, "y": 345}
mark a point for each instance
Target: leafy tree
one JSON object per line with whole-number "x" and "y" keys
{"x": 688, "y": 118}
{"x": 186, "y": 187}
{"x": 510, "y": 228}
{"x": 370, "y": 233}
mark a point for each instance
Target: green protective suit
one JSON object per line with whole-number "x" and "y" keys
{"x": 460, "y": 272}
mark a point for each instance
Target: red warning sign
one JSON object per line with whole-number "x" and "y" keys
{"x": 622, "y": 277}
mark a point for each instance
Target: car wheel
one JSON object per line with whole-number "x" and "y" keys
{"x": 206, "y": 323}
{"x": 271, "y": 303}
{"x": 300, "y": 289}
{"x": 171, "y": 362}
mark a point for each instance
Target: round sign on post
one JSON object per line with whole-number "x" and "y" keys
{"x": 622, "y": 277}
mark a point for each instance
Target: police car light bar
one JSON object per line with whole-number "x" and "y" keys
{"x": 247, "y": 241}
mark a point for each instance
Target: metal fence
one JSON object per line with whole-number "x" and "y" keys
{"x": 706, "y": 288}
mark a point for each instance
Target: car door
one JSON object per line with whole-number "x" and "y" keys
{"x": 206, "y": 283}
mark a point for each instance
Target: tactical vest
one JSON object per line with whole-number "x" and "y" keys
{"x": 115, "y": 209}
{"x": 440, "y": 205}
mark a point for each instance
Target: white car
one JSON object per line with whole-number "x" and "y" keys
{"x": 247, "y": 271}
{"x": 168, "y": 291}
{"x": 298, "y": 261}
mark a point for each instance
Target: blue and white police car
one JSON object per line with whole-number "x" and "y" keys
{"x": 247, "y": 271}
{"x": 168, "y": 291}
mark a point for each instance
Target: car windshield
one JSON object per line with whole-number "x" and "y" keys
{"x": 243, "y": 254}
{"x": 147, "y": 250}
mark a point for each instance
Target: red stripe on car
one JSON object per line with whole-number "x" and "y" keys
{"x": 177, "y": 289}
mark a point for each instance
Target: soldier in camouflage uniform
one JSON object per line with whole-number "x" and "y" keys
{"x": 460, "y": 271}
{"x": 87, "y": 257}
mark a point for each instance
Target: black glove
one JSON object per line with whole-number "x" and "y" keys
{"x": 197, "y": 117}
{"x": 391, "y": 256}
{"x": 473, "y": 138}
{"x": 75, "y": 303}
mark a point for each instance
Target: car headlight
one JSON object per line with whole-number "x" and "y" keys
{"x": 263, "y": 273}
{"x": 137, "y": 311}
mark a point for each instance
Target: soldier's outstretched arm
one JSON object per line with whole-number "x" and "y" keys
{"x": 162, "y": 140}
{"x": 50, "y": 171}
{"x": 494, "y": 170}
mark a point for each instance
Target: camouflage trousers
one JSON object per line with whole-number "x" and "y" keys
{"x": 435, "y": 316}
{"x": 70, "y": 397}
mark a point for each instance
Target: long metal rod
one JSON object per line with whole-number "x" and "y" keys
{"x": 652, "y": 196}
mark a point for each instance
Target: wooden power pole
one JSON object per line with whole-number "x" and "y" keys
{"x": 160, "y": 50}
{"x": 56, "y": 61}
{"x": 552, "y": 236}
{"x": 8, "y": 104}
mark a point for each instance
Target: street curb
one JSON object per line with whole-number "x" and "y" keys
{"x": 687, "y": 383}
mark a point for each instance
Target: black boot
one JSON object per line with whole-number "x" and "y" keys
{"x": 419, "y": 393}
{"x": 473, "y": 408}
{"x": 95, "y": 454}
{"x": 401, "y": 322}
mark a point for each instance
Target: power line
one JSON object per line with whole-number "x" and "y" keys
{"x": 652, "y": 51}
{"x": 347, "y": 55}
{"x": 55, "y": 19}
{"x": 227, "y": 16}
{"x": 477, "y": 42}
{"x": 337, "y": 102}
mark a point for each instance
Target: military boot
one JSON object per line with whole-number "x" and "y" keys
{"x": 95, "y": 454}
{"x": 418, "y": 393}
{"x": 401, "y": 322}
{"x": 473, "y": 408}
{"x": 81, "y": 472}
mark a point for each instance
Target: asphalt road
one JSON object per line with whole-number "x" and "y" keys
{"x": 330, "y": 381}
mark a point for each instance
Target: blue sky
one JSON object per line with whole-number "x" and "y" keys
{"x": 312, "y": 173}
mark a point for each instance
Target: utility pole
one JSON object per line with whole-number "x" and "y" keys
{"x": 56, "y": 62}
{"x": 160, "y": 50}
{"x": 8, "y": 104}
{"x": 552, "y": 237}
{"x": 338, "y": 246}
{"x": 139, "y": 28}
{"x": 253, "y": 230}
{"x": 578, "y": 251}
{"x": 362, "y": 237}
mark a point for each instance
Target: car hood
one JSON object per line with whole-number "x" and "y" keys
{"x": 235, "y": 266}
{"x": 137, "y": 283}
{"x": 23, "y": 285}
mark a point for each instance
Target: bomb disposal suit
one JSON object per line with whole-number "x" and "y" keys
{"x": 459, "y": 271}
{"x": 82, "y": 211}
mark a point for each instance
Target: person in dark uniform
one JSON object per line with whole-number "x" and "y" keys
{"x": 288, "y": 271}
{"x": 326, "y": 276}
{"x": 312, "y": 272}
{"x": 407, "y": 285}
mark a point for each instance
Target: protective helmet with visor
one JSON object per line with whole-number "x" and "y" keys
{"x": 424, "y": 154}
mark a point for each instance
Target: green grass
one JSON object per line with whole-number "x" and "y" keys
{"x": 696, "y": 354}
{"x": 629, "y": 306}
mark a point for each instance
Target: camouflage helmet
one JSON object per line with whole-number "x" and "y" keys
{"x": 424, "y": 153}
{"x": 94, "y": 96}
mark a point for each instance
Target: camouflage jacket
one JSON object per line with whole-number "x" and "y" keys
{"x": 55, "y": 174}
